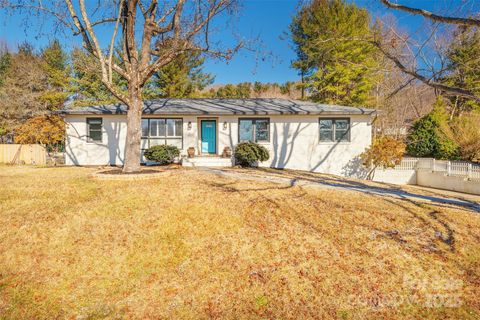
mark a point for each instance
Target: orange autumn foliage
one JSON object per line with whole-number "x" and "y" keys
{"x": 44, "y": 130}
{"x": 385, "y": 152}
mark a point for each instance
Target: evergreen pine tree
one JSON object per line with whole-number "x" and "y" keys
{"x": 464, "y": 66}
{"x": 55, "y": 64}
{"x": 86, "y": 80}
{"x": 228, "y": 91}
{"x": 336, "y": 65}
{"x": 5, "y": 61}
{"x": 183, "y": 78}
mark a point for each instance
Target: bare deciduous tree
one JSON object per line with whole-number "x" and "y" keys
{"x": 431, "y": 77}
{"x": 401, "y": 97}
{"x": 149, "y": 34}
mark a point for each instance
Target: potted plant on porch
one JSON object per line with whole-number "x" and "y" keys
{"x": 191, "y": 152}
{"x": 227, "y": 152}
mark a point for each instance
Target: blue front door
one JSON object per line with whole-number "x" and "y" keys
{"x": 209, "y": 136}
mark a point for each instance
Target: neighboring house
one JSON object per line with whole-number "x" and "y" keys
{"x": 299, "y": 135}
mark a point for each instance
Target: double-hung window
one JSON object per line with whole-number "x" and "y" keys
{"x": 255, "y": 130}
{"x": 94, "y": 129}
{"x": 334, "y": 129}
{"x": 157, "y": 131}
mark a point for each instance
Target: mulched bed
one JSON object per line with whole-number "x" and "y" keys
{"x": 120, "y": 172}
{"x": 144, "y": 173}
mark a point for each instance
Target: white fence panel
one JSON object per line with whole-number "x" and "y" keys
{"x": 451, "y": 168}
{"x": 415, "y": 163}
{"x": 461, "y": 176}
{"x": 440, "y": 166}
{"x": 425, "y": 163}
{"x": 458, "y": 168}
{"x": 407, "y": 164}
{"x": 475, "y": 172}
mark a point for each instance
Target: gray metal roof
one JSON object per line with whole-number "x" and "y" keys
{"x": 225, "y": 107}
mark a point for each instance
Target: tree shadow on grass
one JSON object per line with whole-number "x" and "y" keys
{"x": 230, "y": 187}
{"x": 429, "y": 220}
{"x": 428, "y": 214}
{"x": 321, "y": 180}
{"x": 434, "y": 234}
{"x": 432, "y": 220}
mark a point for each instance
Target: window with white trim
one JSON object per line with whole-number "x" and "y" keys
{"x": 94, "y": 129}
{"x": 157, "y": 131}
{"x": 254, "y": 129}
{"x": 334, "y": 129}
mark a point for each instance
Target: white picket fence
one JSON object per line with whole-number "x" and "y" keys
{"x": 407, "y": 164}
{"x": 450, "y": 168}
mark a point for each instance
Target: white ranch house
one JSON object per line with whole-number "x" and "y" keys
{"x": 299, "y": 135}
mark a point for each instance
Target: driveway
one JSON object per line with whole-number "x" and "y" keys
{"x": 323, "y": 181}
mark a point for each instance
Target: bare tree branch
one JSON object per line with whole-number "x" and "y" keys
{"x": 98, "y": 50}
{"x": 40, "y": 7}
{"x": 397, "y": 90}
{"x": 432, "y": 16}
{"x": 98, "y": 22}
{"x": 430, "y": 82}
{"x": 412, "y": 72}
{"x": 181, "y": 43}
{"x": 165, "y": 15}
{"x": 129, "y": 43}
{"x": 112, "y": 40}
{"x": 148, "y": 32}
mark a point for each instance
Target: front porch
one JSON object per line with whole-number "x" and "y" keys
{"x": 207, "y": 161}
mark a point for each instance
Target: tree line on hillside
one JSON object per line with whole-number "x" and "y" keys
{"x": 244, "y": 90}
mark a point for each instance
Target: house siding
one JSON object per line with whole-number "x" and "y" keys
{"x": 294, "y": 141}
{"x": 81, "y": 152}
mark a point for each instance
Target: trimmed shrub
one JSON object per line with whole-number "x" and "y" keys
{"x": 427, "y": 137}
{"x": 163, "y": 154}
{"x": 385, "y": 152}
{"x": 248, "y": 153}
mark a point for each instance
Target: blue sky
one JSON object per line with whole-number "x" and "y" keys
{"x": 265, "y": 19}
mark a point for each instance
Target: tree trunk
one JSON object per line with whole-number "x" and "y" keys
{"x": 134, "y": 133}
{"x": 303, "y": 85}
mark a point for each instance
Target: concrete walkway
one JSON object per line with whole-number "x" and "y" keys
{"x": 294, "y": 178}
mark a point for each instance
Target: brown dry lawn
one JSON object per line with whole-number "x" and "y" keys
{"x": 194, "y": 245}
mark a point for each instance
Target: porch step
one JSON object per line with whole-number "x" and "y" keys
{"x": 207, "y": 162}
